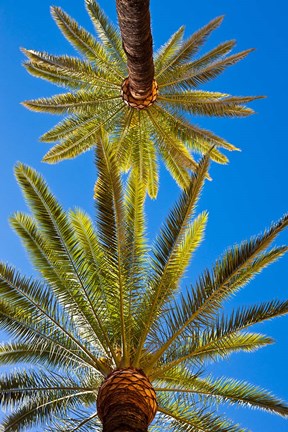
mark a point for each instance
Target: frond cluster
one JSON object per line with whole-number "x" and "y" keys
{"x": 105, "y": 300}
{"x": 94, "y": 101}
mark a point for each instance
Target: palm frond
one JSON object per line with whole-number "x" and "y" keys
{"x": 111, "y": 227}
{"x": 70, "y": 68}
{"x": 84, "y": 42}
{"x": 14, "y": 353}
{"x": 23, "y": 328}
{"x": 185, "y": 418}
{"x": 179, "y": 320}
{"x": 176, "y": 148}
{"x": 108, "y": 34}
{"x": 200, "y": 140}
{"x": 220, "y": 51}
{"x": 191, "y": 45}
{"x": 70, "y": 103}
{"x": 188, "y": 76}
{"x": 56, "y": 228}
{"x": 168, "y": 266}
{"x": 97, "y": 278}
{"x": 244, "y": 317}
{"x": 222, "y": 390}
{"x": 209, "y": 104}
{"x": 136, "y": 247}
{"x": 136, "y": 242}
{"x": 208, "y": 347}
{"x": 51, "y": 266}
{"x": 167, "y": 51}
{"x": 236, "y": 268}
{"x": 84, "y": 138}
{"x": 40, "y": 411}
{"x": 34, "y": 309}
{"x": 23, "y": 385}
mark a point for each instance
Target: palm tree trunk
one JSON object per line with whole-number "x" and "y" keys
{"x": 134, "y": 22}
{"x": 126, "y": 401}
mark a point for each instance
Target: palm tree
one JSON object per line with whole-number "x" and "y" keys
{"x": 142, "y": 129}
{"x": 105, "y": 323}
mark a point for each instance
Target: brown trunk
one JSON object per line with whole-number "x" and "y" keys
{"x": 126, "y": 401}
{"x": 134, "y": 22}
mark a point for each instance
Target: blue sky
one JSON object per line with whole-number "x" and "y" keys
{"x": 244, "y": 196}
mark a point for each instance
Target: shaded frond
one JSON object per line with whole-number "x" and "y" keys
{"x": 22, "y": 386}
{"x": 14, "y": 353}
{"x": 187, "y": 418}
{"x": 40, "y": 411}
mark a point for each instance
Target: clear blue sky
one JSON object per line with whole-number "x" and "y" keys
{"x": 243, "y": 198}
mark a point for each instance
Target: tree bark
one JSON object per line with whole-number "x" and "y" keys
{"x": 134, "y": 22}
{"x": 126, "y": 401}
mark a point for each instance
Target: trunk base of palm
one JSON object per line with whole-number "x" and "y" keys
{"x": 133, "y": 102}
{"x": 126, "y": 401}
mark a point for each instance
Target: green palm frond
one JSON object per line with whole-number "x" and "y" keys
{"x": 42, "y": 410}
{"x": 14, "y": 353}
{"x": 190, "y": 76}
{"x": 24, "y": 329}
{"x": 209, "y": 346}
{"x": 112, "y": 233}
{"x": 191, "y": 46}
{"x": 83, "y": 138}
{"x": 202, "y": 140}
{"x": 82, "y": 72}
{"x": 74, "y": 103}
{"x": 166, "y": 52}
{"x": 186, "y": 418}
{"x": 84, "y": 42}
{"x": 136, "y": 242}
{"x": 207, "y": 103}
{"x": 173, "y": 249}
{"x": 216, "y": 53}
{"x": 108, "y": 34}
{"x": 51, "y": 266}
{"x": 24, "y": 385}
{"x": 223, "y": 390}
{"x": 95, "y": 99}
{"x": 181, "y": 315}
{"x": 142, "y": 158}
{"x": 239, "y": 265}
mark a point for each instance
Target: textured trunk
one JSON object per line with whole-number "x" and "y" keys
{"x": 126, "y": 401}
{"x": 134, "y": 22}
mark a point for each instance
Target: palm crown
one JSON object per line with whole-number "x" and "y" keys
{"x": 141, "y": 130}
{"x": 107, "y": 302}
